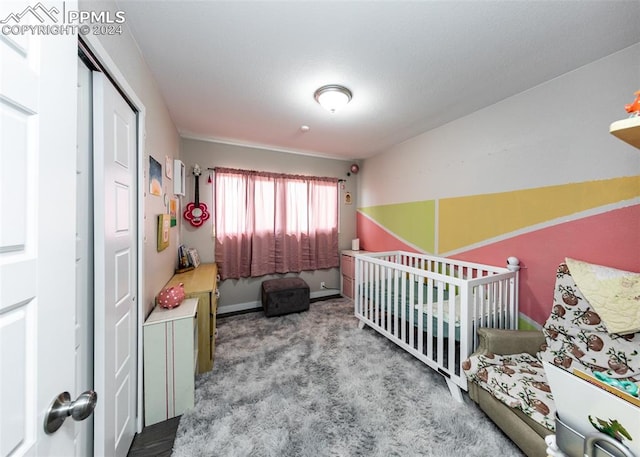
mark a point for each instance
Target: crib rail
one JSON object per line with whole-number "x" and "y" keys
{"x": 431, "y": 306}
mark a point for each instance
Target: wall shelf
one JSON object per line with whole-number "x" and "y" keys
{"x": 628, "y": 130}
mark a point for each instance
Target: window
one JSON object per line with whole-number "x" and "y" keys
{"x": 273, "y": 223}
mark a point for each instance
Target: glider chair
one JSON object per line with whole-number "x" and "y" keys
{"x": 593, "y": 328}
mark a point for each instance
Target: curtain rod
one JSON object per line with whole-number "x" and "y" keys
{"x": 213, "y": 169}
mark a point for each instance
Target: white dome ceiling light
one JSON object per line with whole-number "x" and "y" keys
{"x": 333, "y": 97}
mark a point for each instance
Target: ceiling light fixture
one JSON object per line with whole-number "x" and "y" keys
{"x": 332, "y": 97}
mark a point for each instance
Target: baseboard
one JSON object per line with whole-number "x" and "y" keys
{"x": 224, "y": 310}
{"x": 253, "y": 306}
{"x": 324, "y": 293}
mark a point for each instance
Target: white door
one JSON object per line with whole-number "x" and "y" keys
{"x": 84, "y": 255}
{"x": 115, "y": 254}
{"x": 37, "y": 235}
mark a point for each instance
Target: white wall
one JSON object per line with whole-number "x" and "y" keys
{"x": 161, "y": 139}
{"x": 210, "y": 154}
{"x": 554, "y": 133}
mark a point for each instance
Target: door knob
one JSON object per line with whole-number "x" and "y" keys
{"x": 62, "y": 407}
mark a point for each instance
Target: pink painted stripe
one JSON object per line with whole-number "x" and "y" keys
{"x": 611, "y": 239}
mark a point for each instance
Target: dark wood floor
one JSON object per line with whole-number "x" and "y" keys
{"x": 155, "y": 440}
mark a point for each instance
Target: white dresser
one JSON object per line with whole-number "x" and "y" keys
{"x": 170, "y": 361}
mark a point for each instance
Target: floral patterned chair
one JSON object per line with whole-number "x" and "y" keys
{"x": 506, "y": 376}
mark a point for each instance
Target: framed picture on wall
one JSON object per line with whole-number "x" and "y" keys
{"x": 155, "y": 177}
{"x": 164, "y": 222}
{"x": 173, "y": 211}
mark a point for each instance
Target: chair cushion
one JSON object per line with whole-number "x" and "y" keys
{"x": 516, "y": 380}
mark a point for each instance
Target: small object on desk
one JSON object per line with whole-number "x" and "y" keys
{"x": 183, "y": 259}
{"x": 194, "y": 258}
{"x": 183, "y": 270}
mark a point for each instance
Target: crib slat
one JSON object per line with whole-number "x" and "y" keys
{"x": 380, "y": 308}
{"x": 451, "y": 358}
{"x": 403, "y": 309}
{"x": 420, "y": 313}
{"x": 430, "y": 316}
{"x": 387, "y": 298}
{"x": 383, "y": 294}
{"x": 467, "y": 319}
{"x": 409, "y": 305}
{"x": 369, "y": 287}
{"x": 396, "y": 297}
{"x": 376, "y": 282}
{"x": 498, "y": 300}
{"x": 440, "y": 332}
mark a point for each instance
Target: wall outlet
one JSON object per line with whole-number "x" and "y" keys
{"x": 323, "y": 285}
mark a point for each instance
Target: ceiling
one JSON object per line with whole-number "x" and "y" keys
{"x": 245, "y": 72}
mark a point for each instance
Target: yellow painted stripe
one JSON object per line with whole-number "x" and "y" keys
{"x": 414, "y": 222}
{"x": 464, "y": 221}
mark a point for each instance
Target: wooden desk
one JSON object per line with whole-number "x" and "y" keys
{"x": 202, "y": 283}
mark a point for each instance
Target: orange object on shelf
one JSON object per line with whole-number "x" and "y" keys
{"x": 634, "y": 107}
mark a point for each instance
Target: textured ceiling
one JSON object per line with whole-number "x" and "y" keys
{"x": 245, "y": 72}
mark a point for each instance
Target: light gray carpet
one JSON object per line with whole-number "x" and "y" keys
{"x": 313, "y": 384}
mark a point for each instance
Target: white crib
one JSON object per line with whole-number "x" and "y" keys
{"x": 454, "y": 298}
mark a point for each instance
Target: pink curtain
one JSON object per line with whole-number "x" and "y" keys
{"x": 273, "y": 223}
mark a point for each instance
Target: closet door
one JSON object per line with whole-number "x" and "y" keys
{"x": 115, "y": 251}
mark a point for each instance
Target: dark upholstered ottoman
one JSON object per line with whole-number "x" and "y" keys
{"x": 284, "y": 296}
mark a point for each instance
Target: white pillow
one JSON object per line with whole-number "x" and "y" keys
{"x": 613, "y": 294}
